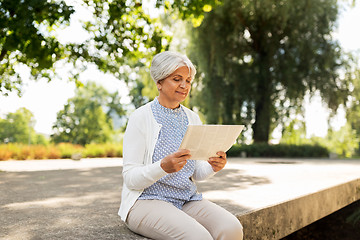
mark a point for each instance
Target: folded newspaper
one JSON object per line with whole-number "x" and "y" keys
{"x": 205, "y": 141}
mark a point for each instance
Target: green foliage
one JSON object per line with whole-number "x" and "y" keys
{"x": 260, "y": 58}
{"x": 68, "y": 149}
{"x": 19, "y": 127}
{"x": 190, "y": 10}
{"x": 279, "y": 150}
{"x": 26, "y": 38}
{"x": 143, "y": 89}
{"x": 353, "y": 112}
{"x": 16, "y": 127}
{"x": 40, "y": 139}
{"x": 102, "y": 150}
{"x": 83, "y": 120}
{"x": 294, "y": 133}
{"x": 342, "y": 142}
{"x": 122, "y": 37}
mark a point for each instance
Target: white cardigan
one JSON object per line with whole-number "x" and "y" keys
{"x": 139, "y": 142}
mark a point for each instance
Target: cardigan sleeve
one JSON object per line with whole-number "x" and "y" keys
{"x": 137, "y": 175}
{"x": 203, "y": 170}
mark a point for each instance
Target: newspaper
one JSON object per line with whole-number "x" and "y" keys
{"x": 205, "y": 141}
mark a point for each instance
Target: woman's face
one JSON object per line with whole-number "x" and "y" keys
{"x": 175, "y": 88}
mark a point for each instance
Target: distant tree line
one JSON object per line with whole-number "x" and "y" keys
{"x": 19, "y": 127}
{"x": 93, "y": 116}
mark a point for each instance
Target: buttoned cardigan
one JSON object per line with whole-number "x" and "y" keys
{"x": 139, "y": 142}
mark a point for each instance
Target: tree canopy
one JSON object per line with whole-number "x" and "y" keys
{"x": 19, "y": 127}
{"x": 88, "y": 117}
{"x": 122, "y": 37}
{"x": 353, "y": 112}
{"x": 260, "y": 58}
{"x": 25, "y": 38}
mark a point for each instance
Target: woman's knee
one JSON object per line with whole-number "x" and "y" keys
{"x": 236, "y": 231}
{"x": 231, "y": 230}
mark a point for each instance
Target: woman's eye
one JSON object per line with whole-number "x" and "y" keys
{"x": 177, "y": 79}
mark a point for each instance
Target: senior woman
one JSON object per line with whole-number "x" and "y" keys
{"x": 159, "y": 196}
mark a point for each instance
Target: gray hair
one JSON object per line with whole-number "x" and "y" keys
{"x": 165, "y": 63}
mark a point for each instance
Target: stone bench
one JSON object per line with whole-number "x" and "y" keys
{"x": 276, "y": 197}
{"x": 280, "y": 220}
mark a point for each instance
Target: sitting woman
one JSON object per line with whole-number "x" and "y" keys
{"x": 159, "y": 196}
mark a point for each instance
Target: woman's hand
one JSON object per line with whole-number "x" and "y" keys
{"x": 219, "y": 162}
{"x": 176, "y": 161}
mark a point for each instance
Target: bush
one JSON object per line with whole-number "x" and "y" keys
{"x": 5, "y": 152}
{"x": 68, "y": 149}
{"x": 39, "y": 152}
{"x": 113, "y": 150}
{"x": 53, "y": 152}
{"x": 103, "y": 150}
{"x": 61, "y": 150}
{"x": 279, "y": 150}
{"x": 24, "y": 152}
{"x": 94, "y": 150}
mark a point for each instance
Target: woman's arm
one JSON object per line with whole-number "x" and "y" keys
{"x": 137, "y": 175}
{"x": 203, "y": 170}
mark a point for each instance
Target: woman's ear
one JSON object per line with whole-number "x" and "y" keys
{"x": 158, "y": 85}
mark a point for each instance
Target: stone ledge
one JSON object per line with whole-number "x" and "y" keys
{"x": 280, "y": 220}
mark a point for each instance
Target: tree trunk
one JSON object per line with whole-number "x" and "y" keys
{"x": 261, "y": 126}
{"x": 263, "y": 103}
{"x": 2, "y": 54}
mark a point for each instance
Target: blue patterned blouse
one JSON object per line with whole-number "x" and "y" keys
{"x": 175, "y": 188}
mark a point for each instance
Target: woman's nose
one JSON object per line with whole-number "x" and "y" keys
{"x": 182, "y": 84}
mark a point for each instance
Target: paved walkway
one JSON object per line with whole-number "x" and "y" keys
{"x": 65, "y": 199}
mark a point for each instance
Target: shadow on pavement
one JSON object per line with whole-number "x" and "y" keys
{"x": 64, "y": 204}
{"x": 230, "y": 180}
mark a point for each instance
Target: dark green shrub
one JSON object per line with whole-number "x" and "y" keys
{"x": 279, "y": 150}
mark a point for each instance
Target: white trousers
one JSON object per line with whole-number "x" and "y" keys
{"x": 198, "y": 220}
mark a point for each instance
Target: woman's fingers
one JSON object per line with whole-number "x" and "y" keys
{"x": 219, "y": 162}
{"x": 221, "y": 154}
{"x": 176, "y": 161}
{"x": 181, "y": 152}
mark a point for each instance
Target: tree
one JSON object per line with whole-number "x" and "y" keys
{"x": 121, "y": 34}
{"x": 17, "y": 127}
{"x": 26, "y": 38}
{"x": 342, "y": 142}
{"x": 87, "y": 118}
{"x": 122, "y": 37}
{"x": 260, "y": 58}
{"x": 120, "y": 31}
{"x": 294, "y": 133}
{"x": 353, "y": 112}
